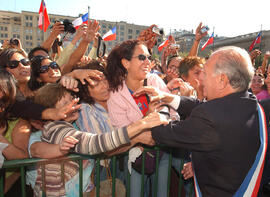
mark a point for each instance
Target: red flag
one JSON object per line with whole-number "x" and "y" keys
{"x": 46, "y": 17}
{"x": 256, "y": 41}
{"x": 209, "y": 41}
{"x": 163, "y": 44}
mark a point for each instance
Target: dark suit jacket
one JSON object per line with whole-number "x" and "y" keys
{"x": 223, "y": 135}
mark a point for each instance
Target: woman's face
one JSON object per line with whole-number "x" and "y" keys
{"x": 100, "y": 91}
{"x": 139, "y": 65}
{"x": 49, "y": 71}
{"x": 256, "y": 84}
{"x": 22, "y": 71}
{"x": 193, "y": 77}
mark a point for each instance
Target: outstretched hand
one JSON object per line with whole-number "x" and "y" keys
{"x": 184, "y": 87}
{"x": 154, "y": 119}
{"x": 148, "y": 37}
{"x": 198, "y": 34}
{"x": 92, "y": 29}
{"x": 61, "y": 113}
{"x": 67, "y": 143}
{"x": 69, "y": 83}
{"x": 255, "y": 53}
{"x": 89, "y": 75}
{"x": 154, "y": 94}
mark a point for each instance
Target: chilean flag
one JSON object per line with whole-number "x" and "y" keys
{"x": 110, "y": 35}
{"x": 209, "y": 41}
{"x": 163, "y": 44}
{"x": 78, "y": 21}
{"x": 256, "y": 41}
{"x": 46, "y": 17}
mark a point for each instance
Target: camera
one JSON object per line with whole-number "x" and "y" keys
{"x": 14, "y": 41}
{"x": 204, "y": 29}
{"x": 69, "y": 27}
{"x": 157, "y": 31}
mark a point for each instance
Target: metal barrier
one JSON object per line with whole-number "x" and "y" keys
{"x": 23, "y": 164}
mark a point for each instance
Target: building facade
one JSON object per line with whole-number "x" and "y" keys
{"x": 24, "y": 26}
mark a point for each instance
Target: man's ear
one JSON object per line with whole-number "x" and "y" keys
{"x": 223, "y": 81}
{"x": 125, "y": 63}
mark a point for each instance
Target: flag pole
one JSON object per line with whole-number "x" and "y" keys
{"x": 214, "y": 39}
{"x": 88, "y": 14}
{"x": 261, "y": 39}
{"x": 43, "y": 20}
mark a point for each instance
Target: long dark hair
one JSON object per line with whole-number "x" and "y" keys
{"x": 8, "y": 90}
{"x": 115, "y": 69}
{"x": 83, "y": 88}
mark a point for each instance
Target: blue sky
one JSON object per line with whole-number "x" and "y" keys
{"x": 230, "y": 17}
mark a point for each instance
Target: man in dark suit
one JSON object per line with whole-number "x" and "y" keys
{"x": 225, "y": 133}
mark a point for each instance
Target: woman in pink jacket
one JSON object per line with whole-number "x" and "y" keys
{"x": 128, "y": 68}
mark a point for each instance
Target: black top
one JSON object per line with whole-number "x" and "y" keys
{"x": 223, "y": 135}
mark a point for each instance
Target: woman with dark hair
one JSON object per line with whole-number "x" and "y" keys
{"x": 43, "y": 70}
{"x": 11, "y": 150}
{"x": 7, "y": 95}
{"x": 128, "y": 68}
{"x": 15, "y": 63}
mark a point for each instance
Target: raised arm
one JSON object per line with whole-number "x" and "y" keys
{"x": 89, "y": 35}
{"x": 67, "y": 51}
{"x": 58, "y": 28}
{"x": 196, "y": 43}
{"x": 265, "y": 62}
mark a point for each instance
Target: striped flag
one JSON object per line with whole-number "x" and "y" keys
{"x": 208, "y": 42}
{"x": 43, "y": 13}
{"x": 256, "y": 41}
{"x": 78, "y": 21}
{"x": 110, "y": 35}
{"x": 163, "y": 44}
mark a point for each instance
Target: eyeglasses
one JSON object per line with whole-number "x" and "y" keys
{"x": 45, "y": 68}
{"x": 15, "y": 63}
{"x": 143, "y": 57}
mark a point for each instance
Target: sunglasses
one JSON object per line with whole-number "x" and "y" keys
{"x": 45, "y": 68}
{"x": 143, "y": 57}
{"x": 15, "y": 63}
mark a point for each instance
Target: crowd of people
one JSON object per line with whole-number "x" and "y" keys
{"x": 214, "y": 112}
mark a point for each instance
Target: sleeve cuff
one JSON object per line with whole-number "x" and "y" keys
{"x": 175, "y": 102}
{"x": 125, "y": 135}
